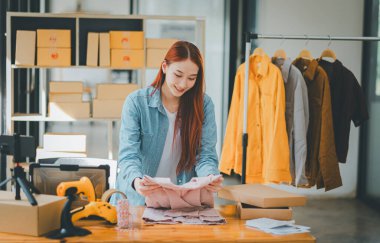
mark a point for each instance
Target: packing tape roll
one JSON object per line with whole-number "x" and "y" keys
{"x": 107, "y": 194}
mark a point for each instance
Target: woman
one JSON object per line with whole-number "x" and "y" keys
{"x": 168, "y": 129}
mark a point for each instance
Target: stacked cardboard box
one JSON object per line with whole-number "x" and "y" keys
{"x": 110, "y": 99}
{"x": 65, "y": 101}
{"x": 25, "y": 48}
{"x": 54, "y": 47}
{"x": 127, "y": 49}
{"x": 58, "y": 145}
{"x": 156, "y": 51}
{"x": 260, "y": 201}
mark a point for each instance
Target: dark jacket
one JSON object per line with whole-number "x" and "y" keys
{"x": 348, "y": 103}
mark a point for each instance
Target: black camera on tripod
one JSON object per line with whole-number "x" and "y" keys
{"x": 19, "y": 147}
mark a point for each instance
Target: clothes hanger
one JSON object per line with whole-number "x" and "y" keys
{"x": 305, "y": 53}
{"x": 280, "y": 53}
{"x": 258, "y": 52}
{"x": 328, "y": 53}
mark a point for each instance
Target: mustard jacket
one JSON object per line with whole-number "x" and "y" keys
{"x": 268, "y": 150}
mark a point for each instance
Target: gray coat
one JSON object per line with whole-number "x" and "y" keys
{"x": 297, "y": 118}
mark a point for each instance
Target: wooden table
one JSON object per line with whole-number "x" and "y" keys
{"x": 234, "y": 231}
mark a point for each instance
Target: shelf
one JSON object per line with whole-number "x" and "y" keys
{"x": 38, "y": 117}
{"x": 70, "y": 67}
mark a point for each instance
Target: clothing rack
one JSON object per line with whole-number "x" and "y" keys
{"x": 252, "y": 36}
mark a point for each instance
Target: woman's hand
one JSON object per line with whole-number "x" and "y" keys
{"x": 215, "y": 185}
{"x": 143, "y": 189}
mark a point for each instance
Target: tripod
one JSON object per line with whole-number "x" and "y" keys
{"x": 19, "y": 175}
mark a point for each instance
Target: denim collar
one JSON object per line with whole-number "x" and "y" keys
{"x": 155, "y": 99}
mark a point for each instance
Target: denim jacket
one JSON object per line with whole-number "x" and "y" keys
{"x": 144, "y": 125}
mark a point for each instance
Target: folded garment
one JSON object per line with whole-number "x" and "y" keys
{"x": 189, "y": 195}
{"x": 196, "y": 216}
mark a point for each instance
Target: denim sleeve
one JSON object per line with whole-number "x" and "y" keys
{"x": 207, "y": 159}
{"x": 129, "y": 162}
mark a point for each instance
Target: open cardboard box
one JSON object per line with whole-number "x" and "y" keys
{"x": 18, "y": 216}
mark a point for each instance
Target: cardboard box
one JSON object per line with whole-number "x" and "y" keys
{"x": 65, "y": 87}
{"x": 114, "y": 91}
{"x": 65, "y": 142}
{"x": 261, "y": 196}
{"x": 92, "y": 49}
{"x": 45, "y": 154}
{"x": 246, "y": 211}
{"x": 54, "y": 38}
{"x": 155, "y": 57}
{"x": 107, "y": 108}
{"x": 127, "y": 58}
{"x": 18, "y": 216}
{"x": 69, "y": 110}
{"x": 160, "y": 43}
{"x": 56, "y": 57}
{"x": 56, "y": 97}
{"x": 104, "y": 50}
{"x": 132, "y": 40}
{"x": 25, "y": 48}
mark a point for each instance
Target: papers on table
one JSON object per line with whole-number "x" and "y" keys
{"x": 277, "y": 227}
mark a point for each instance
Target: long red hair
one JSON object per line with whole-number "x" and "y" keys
{"x": 190, "y": 111}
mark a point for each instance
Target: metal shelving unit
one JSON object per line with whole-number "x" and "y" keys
{"x": 41, "y": 20}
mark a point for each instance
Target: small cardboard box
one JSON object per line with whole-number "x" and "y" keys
{"x": 56, "y": 97}
{"x": 127, "y": 58}
{"x": 18, "y": 216}
{"x": 92, "y": 49}
{"x": 69, "y": 110}
{"x": 246, "y": 211}
{"x": 133, "y": 40}
{"x": 65, "y": 142}
{"x": 261, "y": 196}
{"x": 107, "y": 108}
{"x": 25, "y": 48}
{"x": 45, "y": 154}
{"x": 62, "y": 87}
{"x": 54, "y": 38}
{"x": 104, "y": 50}
{"x": 114, "y": 91}
{"x": 56, "y": 57}
{"x": 155, "y": 57}
{"x": 160, "y": 43}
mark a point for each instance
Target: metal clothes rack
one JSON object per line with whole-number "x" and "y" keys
{"x": 252, "y": 36}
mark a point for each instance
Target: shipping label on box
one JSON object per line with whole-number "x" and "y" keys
{"x": 133, "y": 40}
{"x": 56, "y": 57}
{"x": 114, "y": 91}
{"x": 127, "y": 58}
{"x": 65, "y": 142}
{"x": 65, "y": 87}
{"x": 246, "y": 211}
{"x": 25, "y": 48}
{"x": 107, "y": 108}
{"x": 54, "y": 38}
{"x": 104, "y": 50}
{"x": 155, "y": 57}
{"x": 56, "y": 97}
{"x": 92, "y": 49}
{"x": 160, "y": 43}
{"x": 18, "y": 216}
{"x": 69, "y": 110}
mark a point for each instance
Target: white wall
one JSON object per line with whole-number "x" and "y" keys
{"x": 322, "y": 17}
{"x": 213, "y": 11}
